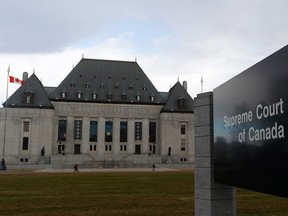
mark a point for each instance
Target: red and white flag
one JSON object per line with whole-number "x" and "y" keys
{"x": 15, "y": 80}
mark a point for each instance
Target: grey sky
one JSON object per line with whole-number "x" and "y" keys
{"x": 184, "y": 38}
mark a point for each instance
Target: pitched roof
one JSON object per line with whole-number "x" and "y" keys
{"x": 95, "y": 80}
{"x": 30, "y": 95}
{"x": 178, "y": 100}
{"x": 102, "y": 81}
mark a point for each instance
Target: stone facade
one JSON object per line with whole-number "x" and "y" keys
{"x": 40, "y": 134}
{"x": 128, "y": 134}
{"x": 43, "y": 130}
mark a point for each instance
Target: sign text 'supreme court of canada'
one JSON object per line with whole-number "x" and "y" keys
{"x": 251, "y": 127}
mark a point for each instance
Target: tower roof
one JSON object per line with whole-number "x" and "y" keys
{"x": 178, "y": 100}
{"x": 30, "y": 95}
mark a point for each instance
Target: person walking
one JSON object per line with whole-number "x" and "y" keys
{"x": 76, "y": 169}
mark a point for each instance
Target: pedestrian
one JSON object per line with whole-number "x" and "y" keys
{"x": 153, "y": 167}
{"x": 43, "y": 151}
{"x": 76, "y": 168}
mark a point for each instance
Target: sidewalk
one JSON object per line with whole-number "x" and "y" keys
{"x": 106, "y": 170}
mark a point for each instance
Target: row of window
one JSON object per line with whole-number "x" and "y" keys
{"x": 93, "y": 131}
{"x": 93, "y": 148}
{"x": 108, "y": 96}
{"x": 62, "y": 125}
{"x": 108, "y": 147}
{"x": 26, "y": 160}
{"x": 102, "y": 86}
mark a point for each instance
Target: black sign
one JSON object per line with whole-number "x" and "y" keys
{"x": 251, "y": 127}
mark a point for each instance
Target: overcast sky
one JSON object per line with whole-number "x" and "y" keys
{"x": 171, "y": 39}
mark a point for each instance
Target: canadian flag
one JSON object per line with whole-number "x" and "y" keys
{"x": 15, "y": 80}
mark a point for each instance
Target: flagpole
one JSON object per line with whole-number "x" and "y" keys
{"x": 6, "y": 104}
{"x": 201, "y": 84}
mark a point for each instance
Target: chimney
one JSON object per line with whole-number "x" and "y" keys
{"x": 25, "y": 76}
{"x": 185, "y": 85}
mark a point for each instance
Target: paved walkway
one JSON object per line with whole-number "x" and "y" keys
{"x": 106, "y": 170}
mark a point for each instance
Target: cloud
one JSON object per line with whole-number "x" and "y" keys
{"x": 51, "y": 26}
{"x": 170, "y": 39}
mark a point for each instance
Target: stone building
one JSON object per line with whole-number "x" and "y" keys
{"x": 103, "y": 114}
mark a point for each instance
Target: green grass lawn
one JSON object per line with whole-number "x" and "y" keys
{"x": 116, "y": 193}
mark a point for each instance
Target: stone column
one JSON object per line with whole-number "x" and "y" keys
{"x": 69, "y": 149}
{"x": 85, "y": 135}
{"x": 101, "y": 136}
{"x": 116, "y": 136}
{"x": 131, "y": 140}
{"x": 211, "y": 199}
{"x": 145, "y": 136}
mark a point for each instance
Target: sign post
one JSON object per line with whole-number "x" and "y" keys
{"x": 211, "y": 199}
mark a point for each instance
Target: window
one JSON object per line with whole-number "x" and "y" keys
{"x": 77, "y": 129}
{"x": 138, "y": 130}
{"x": 93, "y": 131}
{"x": 25, "y": 143}
{"x": 77, "y": 149}
{"x": 26, "y": 126}
{"x": 92, "y": 147}
{"x": 28, "y": 98}
{"x": 183, "y": 144}
{"x": 108, "y": 147}
{"x": 62, "y": 125}
{"x": 137, "y": 149}
{"x": 123, "y": 148}
{"x": 138, "y": 97}
{"x": 109, "y": 96}
{"x": 183, "y": 159}
{"x": 152, "y": 98}
{"x": 182, "y": 104}
{"x": 123, "y": 131}
{"x": 63, "y": 94}
{"x": 108, "y": 131}
{"x": 79, "y": 95}
{"x": 94, "y": 95}
{"x": 183, "y": 129}
{"x": 152, "y": 131}
{"x": 124, "y": 96}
